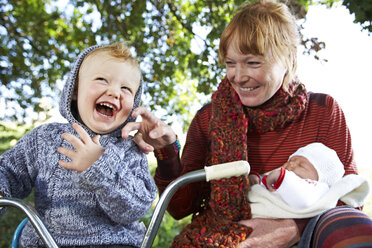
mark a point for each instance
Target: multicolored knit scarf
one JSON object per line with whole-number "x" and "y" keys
{"x": 217, "y": 226}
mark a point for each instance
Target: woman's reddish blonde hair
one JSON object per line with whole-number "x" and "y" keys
{"x": 264, "y": 28}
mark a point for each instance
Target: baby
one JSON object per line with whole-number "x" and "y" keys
{"x": 305, "y": 177}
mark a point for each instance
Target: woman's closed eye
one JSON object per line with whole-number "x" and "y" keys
{"x": 230, "y": 63}
{"x": 254, "y": 63}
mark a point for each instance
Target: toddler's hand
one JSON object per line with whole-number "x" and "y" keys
{"x": 87, "y": 150}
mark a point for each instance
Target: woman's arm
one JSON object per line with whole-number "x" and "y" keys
{"x": 336, "y": 135}
{"x": 187, "y": 199}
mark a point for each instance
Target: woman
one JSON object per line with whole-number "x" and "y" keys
{"x": 261, "y": 113}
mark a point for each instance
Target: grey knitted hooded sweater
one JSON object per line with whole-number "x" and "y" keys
{"x": 100, "y": 206}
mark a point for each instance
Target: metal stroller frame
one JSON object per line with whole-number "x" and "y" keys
{"x": 219, "y": 171}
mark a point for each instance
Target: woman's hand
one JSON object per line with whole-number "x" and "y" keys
{"x": 152, "y": 132}
{"x": 87, "y": 150}
{"x": 269, "y": 233}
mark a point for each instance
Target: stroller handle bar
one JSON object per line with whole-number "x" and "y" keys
{"x": 219, "y": 171}
{"x": 225, "y": 170}
{"x": 33, "y": 217}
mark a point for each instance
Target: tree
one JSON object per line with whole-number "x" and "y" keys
{"x": 362, "y": 10}
{"x": 176, "y": 43}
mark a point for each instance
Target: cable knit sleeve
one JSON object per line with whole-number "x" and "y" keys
{"x": 17, "y": 171}
{"x": 122, "y": 183}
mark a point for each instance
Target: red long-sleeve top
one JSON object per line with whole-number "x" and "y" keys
{"x": 322, "y": 121}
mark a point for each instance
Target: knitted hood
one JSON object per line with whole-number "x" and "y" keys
{"x": 70, "y": 112}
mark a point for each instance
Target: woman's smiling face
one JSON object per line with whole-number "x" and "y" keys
{"x": 254, "y": 78}
{"x": 106, "y": 90}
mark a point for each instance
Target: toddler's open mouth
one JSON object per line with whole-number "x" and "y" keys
{"x": 105, "y": 109}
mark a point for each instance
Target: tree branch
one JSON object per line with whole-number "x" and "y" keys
{"x": 186, "y": 27}
{"x": 14, "y": 34}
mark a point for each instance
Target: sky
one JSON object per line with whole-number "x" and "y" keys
{"x": 347, "y": 76}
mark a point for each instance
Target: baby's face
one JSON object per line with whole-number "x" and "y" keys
{"x": 106, "y": 90}
{"x": 301, "y": 167}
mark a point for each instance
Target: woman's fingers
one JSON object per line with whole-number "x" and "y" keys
{"x": 144, "y": 147}
{"x": 146, "y": 126}
{"x": 129, "y": 127}
{"x": 145, "y": 114}
{"x": 162, "y": 130}
{"x": 155, "y": 133}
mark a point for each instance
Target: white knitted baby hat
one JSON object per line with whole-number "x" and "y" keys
{"x": 325, "y": 160}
